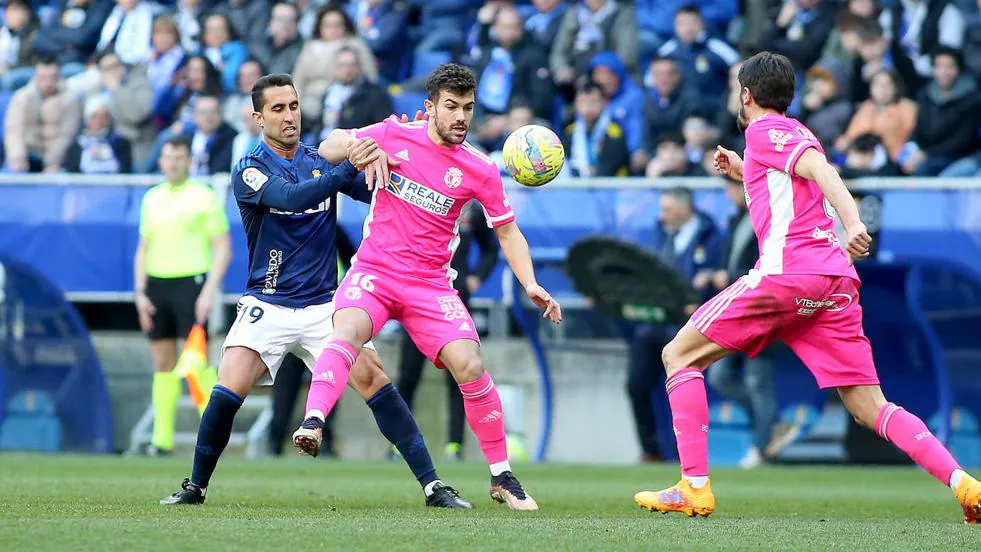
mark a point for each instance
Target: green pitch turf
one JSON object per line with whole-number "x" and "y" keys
{"x": 110, "y": 503}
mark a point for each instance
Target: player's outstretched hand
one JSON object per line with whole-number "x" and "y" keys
{"x": 859, "y": 242}
{"x": 366, "y": 156}
{"x": 540, "y": 297}
{"x": 420, "y": 116}
{"x": 728, "y": 163}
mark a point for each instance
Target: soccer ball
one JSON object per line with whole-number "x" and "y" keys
{"x": 533, "y": 155}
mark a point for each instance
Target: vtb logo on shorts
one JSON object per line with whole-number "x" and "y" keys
{"x": 834, "y": 303}
{"x": 452, "y": 308}
{"x": 421, "y": 196}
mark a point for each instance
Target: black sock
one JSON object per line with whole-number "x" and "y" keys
{"x": 398, "y": 426}
{"x": 213, "y": 433}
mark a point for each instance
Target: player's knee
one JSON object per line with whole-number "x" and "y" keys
{"x": 470, "y": 369}
{"x": 671, "y": 358}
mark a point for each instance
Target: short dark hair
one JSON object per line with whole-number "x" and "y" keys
{"x": 589, "y": 86}
{"x": 681, "y": 194}
{"x": 46, "y": 60}
{"x": 949, "y": 52}
{"x": 770, "y": 79}
{"x": 179, "y": 141}
{"x": 866, "y": 143}
{"x": 671, "y": 137}
{"x": 691, "y": 9}
{"x": 451, "y": 77}
{"x": 268, "y": 81}
{"x": 896, "y": 78}
{"x": 348, "y": 50}
{"x": 869, "y": 30}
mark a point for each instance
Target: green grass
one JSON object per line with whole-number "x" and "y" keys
{"x": 110, "y": 503}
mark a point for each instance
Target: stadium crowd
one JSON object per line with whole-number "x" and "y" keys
{"x": 643, "y": 87}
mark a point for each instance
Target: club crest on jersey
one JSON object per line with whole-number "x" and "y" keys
{"x": 453, "y": 177}
{"x": 421, "y": 196}
{"x": 778, "y": 138}
{"x": 315, "y": 173}
{"x": 254, "y": 178}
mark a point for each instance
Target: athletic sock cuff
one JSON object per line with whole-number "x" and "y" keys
{"x": 222, "y": 390}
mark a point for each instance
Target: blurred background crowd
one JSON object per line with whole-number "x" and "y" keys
{"x": 641, "y": 87}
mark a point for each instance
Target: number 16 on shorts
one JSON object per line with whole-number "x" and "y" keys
{"x": 359, "y": 282}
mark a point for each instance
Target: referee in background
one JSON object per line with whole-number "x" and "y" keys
{"x": 180, "y": 263}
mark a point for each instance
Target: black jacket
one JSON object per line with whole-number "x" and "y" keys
{"x": 532, "y": 79}
{"x": 803, "y": 49}
{"x": 948, "y": 126}
{"x": 77, "y": 42}
{"x": 369, "y": 104}
{"x": 473, "y": 227}
{"x": 667, "y": 115}
{"x": 121, "y": 150}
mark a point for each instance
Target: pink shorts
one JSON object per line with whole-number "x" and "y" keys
{"x": 818, "y": 317}
{"x": 430, "y": 310}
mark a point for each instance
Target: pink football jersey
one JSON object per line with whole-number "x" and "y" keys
{"x": 412, "y": 227}
{"x": 794, "y": 223}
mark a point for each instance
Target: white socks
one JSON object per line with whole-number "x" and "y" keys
{"x": 500, "y": 467}
{"x": 698, "y": 481}
{"x": 955, "y": 478}
{"x": 428, "y": 489}
{"x": 315, "y": 414}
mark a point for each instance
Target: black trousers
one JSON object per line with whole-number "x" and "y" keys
{"x": 286, "y": 389}
{"x": 643, "y": 378}
{"x": 410, "y": 373}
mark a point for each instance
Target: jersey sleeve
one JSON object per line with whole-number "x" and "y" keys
{"x": 255, "y": 183}
{"x": 494, "y": 200}
{"x": 216, "y": 221}
{"x": 779, "y": 146}
{"x": 357, "y": 189}
{"x": 377, "y": 131}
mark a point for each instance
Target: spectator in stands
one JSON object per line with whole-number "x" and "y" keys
{"x": 921, "y": 26}
{"x": 672, "y": 159}
{"x": 876, "y": 54}
{"x": 590, "y": 27}
{"x": 510, "y": 68}
{"x": 223, "y": 49}
{"x": 824, "y": 109}
{"x": 866, "y": 157}
{"x": 688, "y": 240}
{"x": 175, "y": 108}
{"x": 887, "y": 115}
{"x": 188, "y": 19}
{"x": 41, "y": 122}
{"x": 656, "y": 19}
{"x": 543, "y": 24}
{"x": 750, "y": 382}
{"x": 800, "y": 30}
{"x": 842, "y": 44}
{"x": 128, "y": 30}
{"x": 444, "y": 23}
{"x": 972, "y": 41}
{"x": 211, "y": 138}
{"x": 180, "y": 263}
{"x": 382, "y": 24}
{"x": 249, "y": 19}
{"x": 352, "y": 101}
{"x": 315, "y": 66}
{"x": 626, "y": 97}
{"x": 248, "y": 73}
{"x": 247, "y": 138}
{"x": 594, "y": 139}
{"x": 72, "y": 34}
{"x": 725, "y": 120}
{"x": 949, "y": 110}
{"x": 17, "y": 36}
{"x": 166, "y": 55}
{"x": 278, "y": 51}
{"x": 698, "y": 135}
{"x": 669, "y": 102}
{"x": 130, "y": 100}
{"x": 98, "y": 149}
{"x": 704, "y": 60}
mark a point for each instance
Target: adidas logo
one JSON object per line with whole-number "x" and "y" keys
{"x": 492, "y": 417}
{"x": 403, "y": 155}
{"x": 465, "y": 327}
{"x": 327, "y": 376}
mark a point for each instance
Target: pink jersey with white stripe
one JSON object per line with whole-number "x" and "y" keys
{"x": 794, "y": 223}
{"x": 413, "y": 225}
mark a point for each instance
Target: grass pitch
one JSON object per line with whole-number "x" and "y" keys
{"x": 110, "y": 503}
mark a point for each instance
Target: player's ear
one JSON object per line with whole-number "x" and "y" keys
{"x": 257, "y": 117}
{"x": 430, "y": 106}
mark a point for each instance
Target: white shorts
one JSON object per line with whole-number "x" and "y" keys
{"x": 273, "y": 331}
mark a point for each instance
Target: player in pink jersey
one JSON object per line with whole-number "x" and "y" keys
{"x": 803, "y": 291}
{"x": 402, "y": 269}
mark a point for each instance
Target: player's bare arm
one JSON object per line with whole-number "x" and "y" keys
{"x": 363, "y": 153}
{"x": 728, "y": 163}
{"x": 812, "y": 165}
{"x": 515, "y": 248}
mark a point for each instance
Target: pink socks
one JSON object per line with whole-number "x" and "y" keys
{"x": 911, "y": 435}
{"x": 486, "y": 417}
{"x": 690, "y": 414}
{"x": 330, "y": 377}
